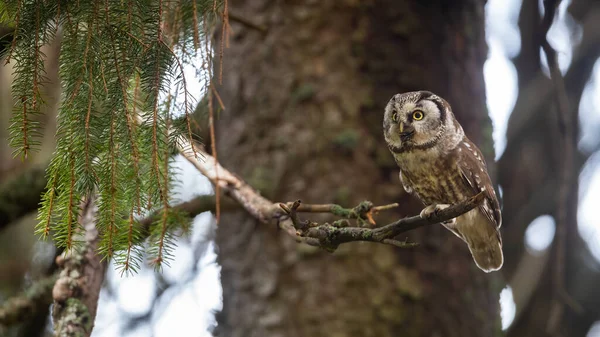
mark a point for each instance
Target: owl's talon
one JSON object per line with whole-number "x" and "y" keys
{"x": 432, "y": 209}
{"x": 427, "y": 212}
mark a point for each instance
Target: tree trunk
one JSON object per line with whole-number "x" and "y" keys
{"x": 304, "y": 107}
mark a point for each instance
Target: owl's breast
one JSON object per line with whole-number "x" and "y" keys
{"x": 434, "y": 179}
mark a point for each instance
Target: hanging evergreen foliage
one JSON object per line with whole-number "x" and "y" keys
{"x": 123, "y": 86}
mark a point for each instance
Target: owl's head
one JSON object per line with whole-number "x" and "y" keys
{"x": 420, "y": 120}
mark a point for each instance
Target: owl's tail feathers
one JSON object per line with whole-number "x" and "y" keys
{"x": 487, "y": 255}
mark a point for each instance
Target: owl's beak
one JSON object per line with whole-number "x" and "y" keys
{"x": 406, "y": 132}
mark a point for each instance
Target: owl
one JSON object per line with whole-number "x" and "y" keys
{"x": 441, "y": 166}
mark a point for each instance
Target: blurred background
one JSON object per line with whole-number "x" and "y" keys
{"x": 185, "y": 299}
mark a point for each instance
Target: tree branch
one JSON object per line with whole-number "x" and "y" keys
{"x": 330, "y": 236}
{"x": 327, "y": 236}
{"x": 537, "y": 151}
{"x": 252, "y": 25}
{"x": 363, "y": 212}
{"x": 21, "y": 307}
{"x": 565, "y": 127}
{"x": 200, "y": 204}
{"x": 77, "y": 289}
{"x": 21, "y": 195}
{"x": 528, "y": 112}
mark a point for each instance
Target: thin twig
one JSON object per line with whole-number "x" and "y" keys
{"x": 252, "y": 25}
{"x": 300, "y": 226}
{"x": 364, "y": 211}
{"x": 334, "y": 208}
{"x": 219, "y": 100}
{"x": 400, "y": 244}
{"x": 211, "y": 122}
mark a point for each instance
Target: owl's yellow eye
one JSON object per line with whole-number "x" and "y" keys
{"x": 418, "y": 115}
{"x": 395, "y": 116}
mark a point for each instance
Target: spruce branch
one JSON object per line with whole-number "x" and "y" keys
{"x": 106, "y": 82}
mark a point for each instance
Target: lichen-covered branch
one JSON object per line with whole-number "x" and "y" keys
{"x": 330, "y": 236}
{"x": 363, "y": 212}
{"x": 77, "y": 289}
{"x": 21, "y": 307}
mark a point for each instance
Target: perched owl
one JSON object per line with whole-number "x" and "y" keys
{"x": 441, "y": 166}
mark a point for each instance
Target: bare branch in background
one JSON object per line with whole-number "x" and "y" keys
{"x": 22, "y": 307}
{"x": 529, "y": 173}
{"x": 528, "y": 111}
{"x": 21, "y": 195}
{"x": 565, "y": 127}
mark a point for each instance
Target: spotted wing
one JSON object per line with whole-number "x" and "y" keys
{"x": 474, "y": 172}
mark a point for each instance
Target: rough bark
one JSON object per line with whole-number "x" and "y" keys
{"x": 303, "y": 120}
